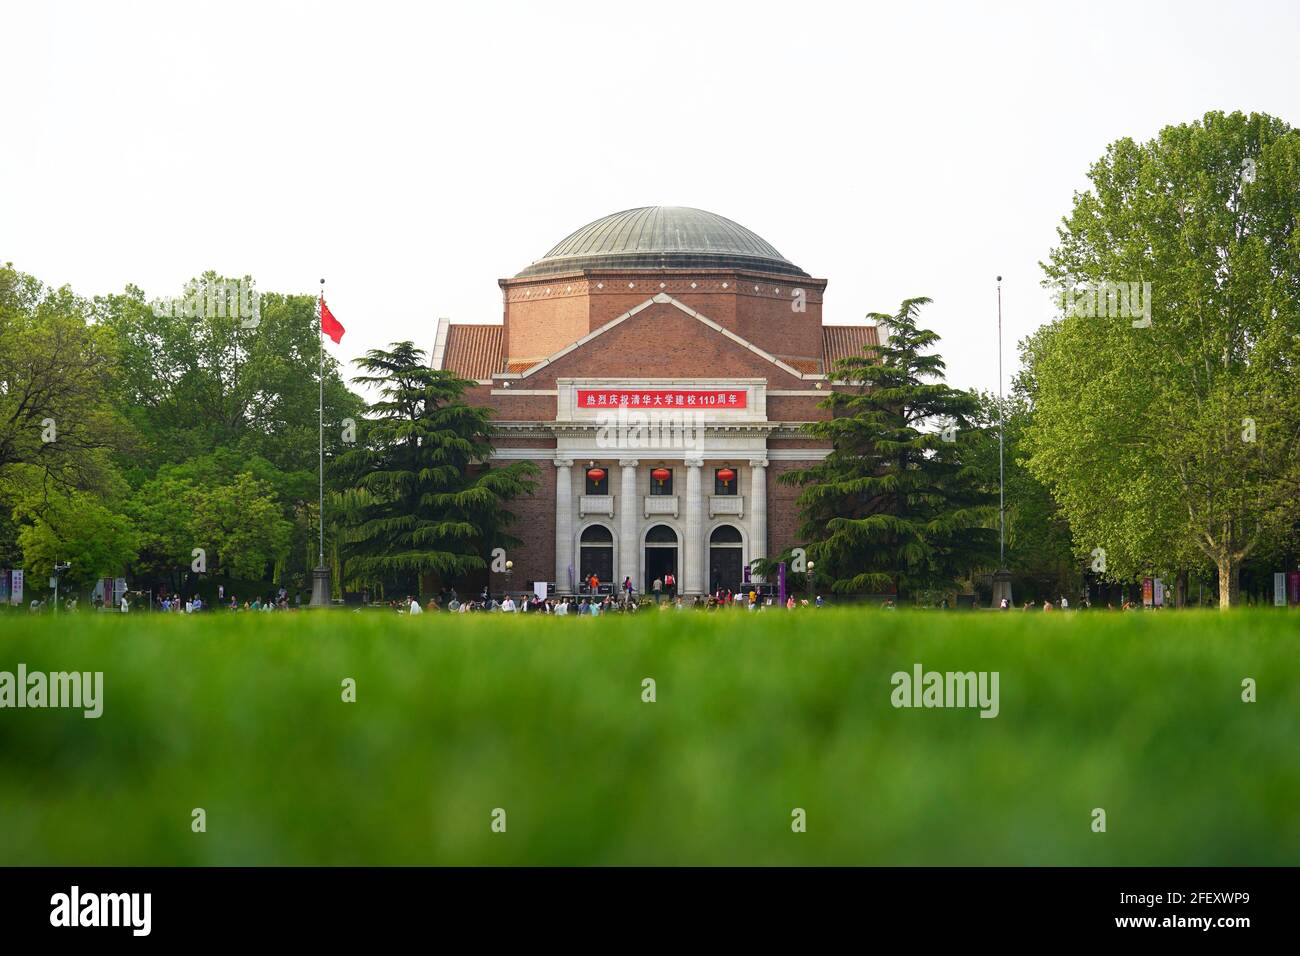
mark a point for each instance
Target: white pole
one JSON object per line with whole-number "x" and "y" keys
{"x": 320, "y": 341}
{"x": 1002, "y": 506}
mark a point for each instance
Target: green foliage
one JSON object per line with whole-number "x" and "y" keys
{"x": 55, "y": 377}
{"x": 1179, "y": 442}
{"x": 75, "y": 528}
{"x": 242, "y": 524}
{"x": 236, "y": 521}
{"x": 197, "y": 383}
{"x": 422, "y": 499}
{"x": 894, "y": 505}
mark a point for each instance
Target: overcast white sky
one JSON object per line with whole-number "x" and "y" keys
{"x": 413, "y": 154}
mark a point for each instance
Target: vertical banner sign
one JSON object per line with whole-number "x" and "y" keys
{"x": 780, "y": 582}
{"x": 1279, "y": 589}
{"x": 4, "y": 586}
{"x": 1160, "y": 593}
{"x": 1293, "y": 580}
{"x": 16, "y": 590}
{"x": 1148, "y": 592}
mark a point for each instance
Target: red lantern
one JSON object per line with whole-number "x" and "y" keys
{"x": 661, "y": 475}
{"x": 596, "y": 474}
{"x": 725, "y": 475}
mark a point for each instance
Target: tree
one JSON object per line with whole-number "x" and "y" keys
{"x": 1175, "y": 427}
{"x": 223, "y": 381}
{"x": 74, "y": 527}
{"x": 235, "y": 520}
{"x": 55, "y": 374}
{"x": 895, "y": 505}
{"x": 421, "y": 497}
{"x": 241, "y": 523}
{"x": 197, "y": 378}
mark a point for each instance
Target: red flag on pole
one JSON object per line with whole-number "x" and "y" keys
{"x": 330, "y": 325}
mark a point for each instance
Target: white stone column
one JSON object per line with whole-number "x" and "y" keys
{"x": 564, "y": 523}
{"x": 757, "y": 509}
{"x": 693, "y": 547}
{"x": 628, "y": 509}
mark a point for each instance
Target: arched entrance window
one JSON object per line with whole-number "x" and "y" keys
{"x": 726, "y": 558}
{"x": 597, "y": 555}
{"x": 660, "y": 556}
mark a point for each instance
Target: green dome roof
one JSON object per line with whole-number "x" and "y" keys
{"x": 663, "y": 237}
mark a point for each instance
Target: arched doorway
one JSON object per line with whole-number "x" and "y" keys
{"x": 726, "y": 558}
{"x": 660, "y": 556}
{"x": 596, "y": 555}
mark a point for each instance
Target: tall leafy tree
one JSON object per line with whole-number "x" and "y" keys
{"x": 56, "y": 367}
{"x": 422, "y": 498}
{"x": 896, "y": 504}
{"x": 76, "y": 528}
{"x": 196, "y": 379}
{"x": 1179, "y": 430}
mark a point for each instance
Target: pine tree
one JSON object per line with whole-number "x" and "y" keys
{"x": 422, "y": 497}
{"x": 897, "y": 505}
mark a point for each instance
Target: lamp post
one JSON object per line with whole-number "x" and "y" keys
{"x": 59, "y": 568}
{"x": 811, "y": 565}
{"x": 510, "y": 569}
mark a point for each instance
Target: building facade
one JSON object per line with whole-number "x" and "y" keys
{"x": 657, "y": 365}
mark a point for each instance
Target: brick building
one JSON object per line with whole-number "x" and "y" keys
{"x": 657, "y": 365}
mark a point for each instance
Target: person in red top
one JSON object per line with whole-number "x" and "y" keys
{"x": 670, "y": 583}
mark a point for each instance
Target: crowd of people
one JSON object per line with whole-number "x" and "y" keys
{"x": 594, "y": 603}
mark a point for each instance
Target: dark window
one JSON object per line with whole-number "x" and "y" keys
{"x": 725, "y": 481}
{"x": 598, "y": 481}
{"x": 597, "y": 534}
{"x": 725, "y": 534}
{"x": 659, "y": 484}
{"x": 661, "y": 534}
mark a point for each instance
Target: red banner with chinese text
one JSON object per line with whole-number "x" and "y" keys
{"x": 661, "y": 398}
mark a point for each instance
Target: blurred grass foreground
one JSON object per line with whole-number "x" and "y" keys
{"x": 522, "y": 739}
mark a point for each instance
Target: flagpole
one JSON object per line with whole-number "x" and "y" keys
{"x": 1002, "y": 576}
{"x": 1002, "y": 503}
{"x": 320, "y": 341}
{"x": 320, "y": 576}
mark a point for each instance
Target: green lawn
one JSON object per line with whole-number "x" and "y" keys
{"x": 756, "y": 714}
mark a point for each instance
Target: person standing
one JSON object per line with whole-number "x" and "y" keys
{"x": 658, "y": 589}
{"x": 670, "y": 583}
{"x": 415, "y": 606}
